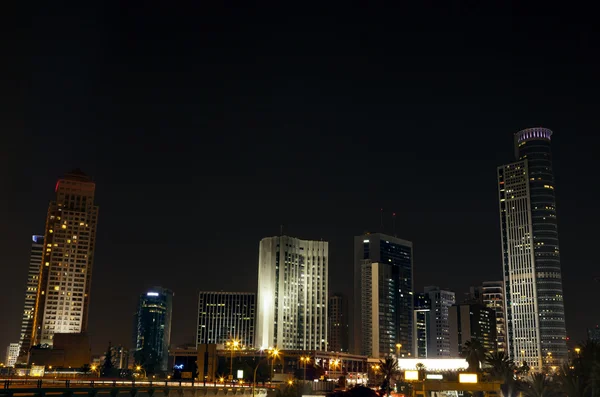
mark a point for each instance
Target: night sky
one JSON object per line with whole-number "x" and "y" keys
{"x": 206, "y": 129}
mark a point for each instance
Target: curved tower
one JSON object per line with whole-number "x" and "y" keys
{"x": 532, "y": 271}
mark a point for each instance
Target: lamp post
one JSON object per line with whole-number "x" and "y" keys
{"x": 274, "y": 353}
{"x": 232, "y": 344}
{"x": 304, "y": 360}
{"x": 398, "y": 350}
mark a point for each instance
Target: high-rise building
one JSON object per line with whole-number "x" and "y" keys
{"x": 63, "y": 295}
{"x": 12, "y": 353}
{"x": 594, "y": 334}
{"x": 292, "y": 293}
{"x": 421, "y": 320}
{"x": 471, "y": 321}
{"x": 439, "y": 330}
{"x": 535, "y": 318}
{"x": 398, "y": 254}
{"x": 226, "y": 316}
{"x": 152, "y": 329}
{"x": 491, "y": 295}
{"x": 338, "y": 332}
{"x": 33, "y": 279}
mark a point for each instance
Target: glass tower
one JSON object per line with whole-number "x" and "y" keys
{"x": 397, "y": 254}
{"x": 152, "y": 330}
{"x": 531, "y": 257}
{"x": 33, "y": 279}
{"x": 226, "y": 316}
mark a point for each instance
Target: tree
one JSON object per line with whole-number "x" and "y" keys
{"x": 388, "y": 368}
{"x": 570, "y": 383}
{"x": 474, "y": 352}
{"x": 539, "y": 385}
{"x": 502, "y": 368}
{"x": 107, "y": 366}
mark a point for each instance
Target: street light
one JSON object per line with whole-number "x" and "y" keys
{"x": 274, "y": 353}
{"x": 305, "y": 360}
{"x": 577, "y": 350}
{"x": 233, "y": 344}
{"x": 398, "y": 349}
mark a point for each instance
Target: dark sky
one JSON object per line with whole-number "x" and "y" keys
{"x": 205, "y": 129}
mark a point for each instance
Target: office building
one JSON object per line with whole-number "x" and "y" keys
{"x": 152, "y": 329}
{"x": 33, "y": 278}
{"x": 491, "y": 295}
{"x": 226, "y": 316}
{"x": 338, "y": 333}
{"x": 63, "y": 296}
{"x": 421, "y": 320}
{"x": 12, "y": 352}
{"x": 439, "y": 330}
{"x": 398, "y": 254}
{"x": 535, "y": 319}
{"x": 68, "y": 350}
{"x": 292, "y": 293}
{"x": 594, "y": 334}
{"x": 471, "y": 321}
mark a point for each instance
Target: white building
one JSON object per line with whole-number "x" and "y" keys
{"x": 12, "y": 352}
{"x": 292, "y": 294}
{"x": 66, "y": 271}
{"x": 439, "y": 321}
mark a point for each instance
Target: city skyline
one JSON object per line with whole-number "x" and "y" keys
{"x": 207, "y": 134}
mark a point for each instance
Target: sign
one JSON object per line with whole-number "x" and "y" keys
{"x": 411, "y": 375}
{"x": 240, "y": 374}
{"x": 186, "y": 375}
{"x": 434, "y": 376}
{"x": 37, "y": 370}
{"x": 467, "y": 378}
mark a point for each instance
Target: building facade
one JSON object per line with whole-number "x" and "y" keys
{"x": 33, "y": 279}
{"x": 397, "y": 254}
{"x": 152, "y": 329}
{"x": 439, "y": 320}
{"x": 226, "y": 316}
{"x": 535, "y": 320}
{"x": 63, "y": 295}
{"x": 471, "y": 321}
{"x": 12, "y": 353}
{"x": 421, "y": 319}
{"x": 594, "y": 334}
{"x": 492, "y": 297}
{"x": 338, "y": 332}
{"x": 292, "y": 293}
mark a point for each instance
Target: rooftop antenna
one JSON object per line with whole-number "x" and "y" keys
{"x": 394, "y": 224}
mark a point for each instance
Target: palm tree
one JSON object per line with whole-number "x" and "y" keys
{"x": 474, "y": 352}
{"x": 388, "y": 369}
{"x": 502, "y": 368}
{"x": 539, "y": 386}
{"x": 570, "y": 383}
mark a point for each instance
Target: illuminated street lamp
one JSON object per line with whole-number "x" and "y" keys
{"x": 304, "y": 361}
{"x": 577, "y": 350}
{"x": 233, "y": 344}
{"x": 274, "y": 353}
{"x": 398, "y": 349}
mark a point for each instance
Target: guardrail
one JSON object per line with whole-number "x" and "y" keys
{"x": 9, "y": 383}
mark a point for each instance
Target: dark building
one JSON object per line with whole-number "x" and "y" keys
{"x": 535, "y": 318}
{"x": 226, "y": 316}
{"x": 338, "y": 333}
{"x": 421, "y": 322}
{"x": 68, "y": 350}
{"x": 33, "y": 278}
{"x": 152, "y": 329}
{"x": 594, "y": 334}
{"x": 491, "y": 295}
{"x": 471, "y": 321}
{"x": 398, "y": 254}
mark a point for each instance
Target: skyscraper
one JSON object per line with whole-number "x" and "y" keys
{"x": 226, "y": 316}
{"x": 33, "y": 279}
{"x": 292, "y": 293}
{"x": 398, "y": 254}
{"x": 152, "y": 329}
{"x": 337, "y": 334}
{"x": 535, "y": 317}
{"x": 12, "y": 352}
{"x": 439, "y": 320}
{"x": 491, "y": 295}
{"x": 471, "y": 321}
{"x": 63, "y": 294}
{"x": 421, "y": 320}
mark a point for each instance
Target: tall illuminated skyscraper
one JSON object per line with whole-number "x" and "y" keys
{"x": 63, "y": 295}
{"x": 292, "y": 293}
{"x": 33, "y": 276}
{"x": 535, "y": 318}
